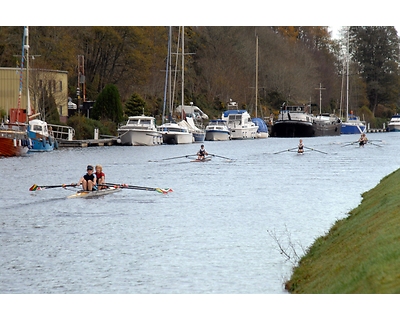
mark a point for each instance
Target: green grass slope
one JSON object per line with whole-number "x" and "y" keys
{"x": 361, "y": 253}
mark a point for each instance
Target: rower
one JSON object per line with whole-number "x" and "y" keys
{"x": 88, "y": 180}
{"x": 300, "y": 147}
{"x": 363, "y": 140}
{"x": 100, "y": 177}
{"x": 202, "y": 153}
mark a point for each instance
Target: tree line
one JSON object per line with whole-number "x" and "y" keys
{"x": 220, "y": 64}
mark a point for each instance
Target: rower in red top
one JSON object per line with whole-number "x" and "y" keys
{"x": 100, "y": 176}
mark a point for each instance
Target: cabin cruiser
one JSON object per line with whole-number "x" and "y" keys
{"x": 174, "y": 133}
{"x": 140, "y": 131}
{"x": 394, "y": 124}
{"x": 217, "y": 130}
{"x": 239, "y": 122}
{"x": 41, "y": 136}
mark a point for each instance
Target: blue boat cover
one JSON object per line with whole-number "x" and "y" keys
{"x": 262, "y": 126}
{"x": 228, "y": 112}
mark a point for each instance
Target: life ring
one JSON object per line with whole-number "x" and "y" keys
{"x": 298, "y": 109}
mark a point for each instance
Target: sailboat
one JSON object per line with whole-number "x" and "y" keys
{"x": 38, "y": 131}
{"x": 172, "y": 132}
{"x": 353, "y": 124}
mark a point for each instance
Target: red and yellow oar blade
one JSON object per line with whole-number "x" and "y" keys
{"x": 34, "y": 188}
{"x": 164, "y": 191}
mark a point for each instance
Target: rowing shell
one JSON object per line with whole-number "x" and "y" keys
{"x": 201, "y": 160}
{"x": 92, "y": 194}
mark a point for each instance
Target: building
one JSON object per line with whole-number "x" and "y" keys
{"x": 40, "y": 82}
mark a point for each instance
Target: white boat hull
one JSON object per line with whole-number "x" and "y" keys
{"x": 243, "y": 133}
{"x": 217, "y": 135}
{"x": 140, "y": 131}
{"x": 394, "y": 124}
{"x": 140, "y": 137}
{"x": 173, "y": 133}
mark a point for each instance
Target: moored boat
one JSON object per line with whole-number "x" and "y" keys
{"x": 173, "y": 133}
{"x": 262, "y": 131}
{"x": 239, "y": 122}
{"x": 353, "y": 125}
{"x": 140, "y": 131}
{"x": 294, "y": 121}
{"x": 14, "y": 141}
{"x": 327, "y": 125}
{"x": 394, "y": 123}
{"x": 41, "y": 137}
{"x": 217, "y": 130}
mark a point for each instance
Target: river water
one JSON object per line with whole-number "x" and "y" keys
{"x": 218, "y": 232}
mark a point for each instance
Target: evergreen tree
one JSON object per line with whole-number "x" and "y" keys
{"x": 108, "y": 105}
{"x": 376, "y": 51}
{"x": 135, "y": 106}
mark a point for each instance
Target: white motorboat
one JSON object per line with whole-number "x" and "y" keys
{"x": 394, "y": 124}
{"x": 173, "y": 133}
{"x": 217, "y": 130}
{"x": 239, "y": 122}
{"x": 140, "y": 131}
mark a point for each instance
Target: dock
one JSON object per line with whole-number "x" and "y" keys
{"x": 87, "y": 143}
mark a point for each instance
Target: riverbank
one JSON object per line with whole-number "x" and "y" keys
{"x": 359, "y": 254}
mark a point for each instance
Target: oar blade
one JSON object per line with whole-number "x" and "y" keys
{"x": 34, "y": 188}
{"x": 164, "y": 191}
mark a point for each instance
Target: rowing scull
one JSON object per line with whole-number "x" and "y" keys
{"x": 96, "y": 193}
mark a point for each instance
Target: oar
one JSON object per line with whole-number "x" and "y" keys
{"x": 285, "y": 150}
{"x": 315, "y": 150}
{"x": 190, "y": 155}
{"x": 215, "y": 155}
{"x": 350, "y": 144}
{"x": 369, "y": 141}
{"x": 127, "y": 186}
{"x": 36, "y": 187}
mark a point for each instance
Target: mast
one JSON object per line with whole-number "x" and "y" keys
{"x": 167, "y": 75}
{"x": 256, "y": 73}
{"x": 25, "y": 46}
{"x": 183, "y": 70}
{"x": 347, "y": 75}
{"x": 28, "y": 108}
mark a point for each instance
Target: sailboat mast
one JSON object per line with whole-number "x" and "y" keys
{"x": 183, "y": 70}
{"x": 166, "y": 75}
{"x": 28, "y": 109}
{"x": 347, "y": 75}
{"x": 256, "y": 73}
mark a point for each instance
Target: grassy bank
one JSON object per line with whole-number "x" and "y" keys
{"x": 361, "y": 253}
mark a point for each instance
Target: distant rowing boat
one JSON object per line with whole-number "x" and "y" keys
{"x": 201, "y": 160}
{"x": 92, "y": 194}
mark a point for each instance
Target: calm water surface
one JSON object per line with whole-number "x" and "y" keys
{"x": 211, "y": 235}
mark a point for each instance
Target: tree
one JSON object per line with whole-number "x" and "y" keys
{"x": 376, "y": 51}
{"x": 135, "y": 106}
{"x": 108, "y": 105}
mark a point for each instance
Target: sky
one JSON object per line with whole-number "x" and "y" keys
{"x": 198, "y": 13}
